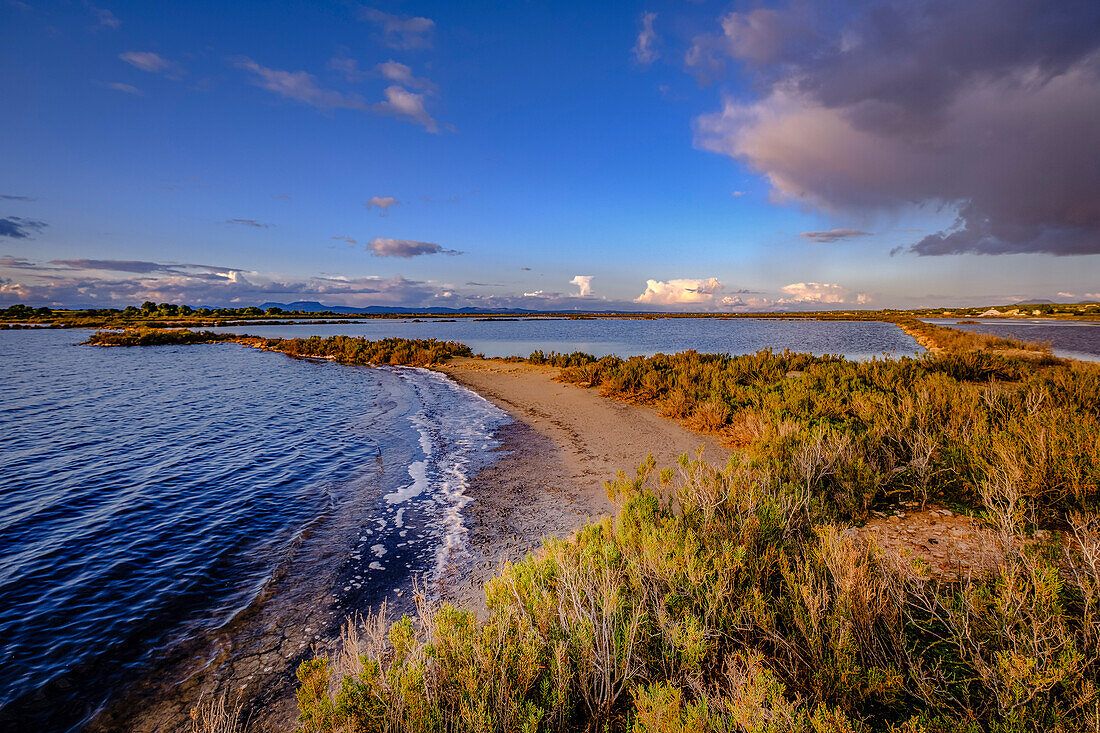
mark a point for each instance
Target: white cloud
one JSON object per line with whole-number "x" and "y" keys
{"x": 152, "y": 62}
{"x": 811, "y": 292}
{"x": 399, "y": 32}
{"x": 402, "y": 74}
{"x": 402, "y": 103}
{"x": 645, "y": 47}
{"x": 299, "y": 86}
{"x": 385, "y": 203}
{"x": 126, "y": 88}
{"x": 1066, "y": 295}
{"x": 583, "y": 283}
{"x": 535, "y": 294}
{"x": 105, "y": 18}
{"x": 680, "y": 291}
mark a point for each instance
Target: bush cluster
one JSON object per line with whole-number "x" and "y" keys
{"x": 719, "y": 601}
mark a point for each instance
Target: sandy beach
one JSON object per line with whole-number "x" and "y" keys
{"x": 564, "y": 443}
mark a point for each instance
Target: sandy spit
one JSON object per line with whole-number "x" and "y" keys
{"x": 565, "y": 441}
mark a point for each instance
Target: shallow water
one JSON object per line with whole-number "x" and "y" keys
{"x": 623, "y": 337}
{"x": 1071, "y": 339}
{"x": 149, "y": 495}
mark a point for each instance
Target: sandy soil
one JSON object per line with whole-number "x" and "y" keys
{"x": 565, "y": 442}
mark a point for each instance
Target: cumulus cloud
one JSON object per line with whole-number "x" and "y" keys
{"x": 400, "y": 32}
{"x": 249, "y": 223}
{"x": 645, "y": 47}
{"x": 681, "y": 291}
{"x": 385, "y": 247}
{"x": 982, "y": 107}
{"x": 584, "y": 285}
{"x": 300, "y": 86}
{"x": 402, "y": 103}
{"x": 152, "y": 62}
{"x": 820, "y": 293}
{"x": 384, "y": 203}
{"x": 834, "y": 235}
{"x": 19, "y": 228}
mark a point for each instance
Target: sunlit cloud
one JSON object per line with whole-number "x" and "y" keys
{"x": 584, "y": 285}
{"x": 386, "y": 247}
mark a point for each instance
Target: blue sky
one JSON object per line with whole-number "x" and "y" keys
{"x": 703, "y": 156}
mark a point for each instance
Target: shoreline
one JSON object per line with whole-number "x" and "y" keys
{"x": 561, "y": 444}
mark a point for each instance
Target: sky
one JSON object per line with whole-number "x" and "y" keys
{"x": 550, "y": 155}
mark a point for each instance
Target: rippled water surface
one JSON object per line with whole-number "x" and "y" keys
{"x": 148, "y": 495}
{"x": 622, "y": 337}
{"x": 1073, "y": 339}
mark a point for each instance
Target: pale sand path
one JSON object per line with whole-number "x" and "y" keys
{"x": 566, "y": 441}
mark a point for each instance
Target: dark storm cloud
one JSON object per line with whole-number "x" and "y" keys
{"x": 834, "y": 235}
{"x": 985, "y": 107}
{"x": 19, "y": 228}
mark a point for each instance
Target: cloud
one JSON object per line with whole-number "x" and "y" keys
{"x": 143, "y": 267}
{"x": 126, "y": 88}
{"x": 400, "y": 32}
{"x": 385, "y": 203}
{"x": 16, "y": 263}
{"x": 645, "y": 47}
{"x": 345, "y": 238}
{"x": 385, "y": 247}
{"x": 1066, "y": 295}
{"x": 12, "y": 197}
{"x": 737, "y": 194}
{"x": 403, "y": 75}
{"x": 19, "y": 228}
{"x": 983, "y": 108}
{"x": 525, "y": 269}
{"x": 834, "y": 235}
{"x": 402, "y": 103}
{"x": 153, "y": 63}
{"x": 680, "y": 291}
{"x": 105, "y": 18}
{"x": 300, "y": 86}
{"x": 536, "y": 294}
{"x": 249, "y": 223}
{"x": 584, "y": 285}
{"x": 348, "y": 67}
{"x": 820, "y": 293}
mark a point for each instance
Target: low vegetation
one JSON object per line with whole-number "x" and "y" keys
{"x": 344, "y": 349}
{"x": 733, "y": 599}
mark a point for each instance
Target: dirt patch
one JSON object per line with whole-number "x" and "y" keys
{"x": 951, "y": 545}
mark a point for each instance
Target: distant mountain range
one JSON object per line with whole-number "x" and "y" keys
{"x": 312, "y": 306}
